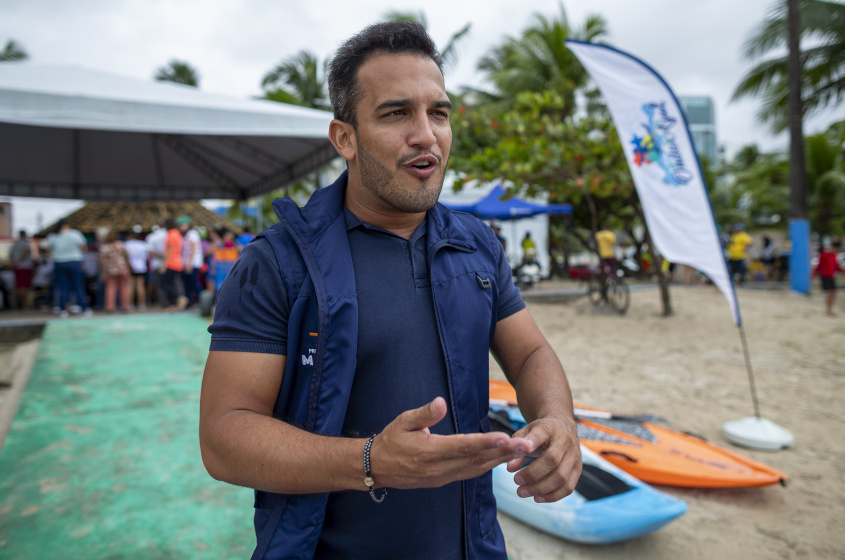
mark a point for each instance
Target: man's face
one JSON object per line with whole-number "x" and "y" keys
{"x": 403, "y": 135}
{"x": 184, "y": 228}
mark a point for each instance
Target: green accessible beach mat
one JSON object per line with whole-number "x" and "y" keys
{"x": 102, "y": 460}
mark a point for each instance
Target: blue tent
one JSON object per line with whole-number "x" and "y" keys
{"x": 492, "y": 207}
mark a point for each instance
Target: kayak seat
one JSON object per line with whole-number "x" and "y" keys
{"x": 596, "y": 483}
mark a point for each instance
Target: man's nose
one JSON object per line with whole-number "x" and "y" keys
{"x": 422, "y": 134}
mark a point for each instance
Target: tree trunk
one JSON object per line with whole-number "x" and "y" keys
{"x": 657, "y": 260}
{"x": 797, "y": 173}
{"x": 566, "y": 221}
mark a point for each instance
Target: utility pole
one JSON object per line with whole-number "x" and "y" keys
{"x": 799, "y": 226}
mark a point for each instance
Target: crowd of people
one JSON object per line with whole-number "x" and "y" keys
{"x": 113, "y": 271}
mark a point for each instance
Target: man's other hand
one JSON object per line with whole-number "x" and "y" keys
{"x": 407, "y": 455}
{"x": 553, "y": 474}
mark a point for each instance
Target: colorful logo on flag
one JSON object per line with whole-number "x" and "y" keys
{"x": 658, "y": 145}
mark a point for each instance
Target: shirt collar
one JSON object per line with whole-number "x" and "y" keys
{"x": 352, "y": 221}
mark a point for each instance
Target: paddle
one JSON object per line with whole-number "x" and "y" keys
{"x": 587, "y": 414}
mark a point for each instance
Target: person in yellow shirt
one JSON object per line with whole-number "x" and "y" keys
{"x": 606, "y": 243}
{"x": 738, "y": 252}
{"x": 529, "y": 249}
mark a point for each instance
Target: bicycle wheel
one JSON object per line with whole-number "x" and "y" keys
{"x": 619, "y": 294}
{"x": 594, "y": 290}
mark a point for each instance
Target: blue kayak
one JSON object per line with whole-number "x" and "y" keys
{"x": 607, "y": 506}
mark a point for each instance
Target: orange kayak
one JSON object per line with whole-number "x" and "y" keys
{"x": 656, "y": 454}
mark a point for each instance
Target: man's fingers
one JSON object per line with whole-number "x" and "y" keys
{"x": 475, "y": 458}
{"x": 554, "y": 486}
{"x": 538, "y": 433}
{"x": 423, "y": 417}
{"x": 462, "y": 446}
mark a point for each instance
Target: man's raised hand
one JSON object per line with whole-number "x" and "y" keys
{"x": 407, "y": 455}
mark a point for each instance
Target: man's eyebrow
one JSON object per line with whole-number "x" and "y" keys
{"x": 394, "y": 103}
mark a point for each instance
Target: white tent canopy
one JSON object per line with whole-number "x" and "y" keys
{"x": 68, "y": 132}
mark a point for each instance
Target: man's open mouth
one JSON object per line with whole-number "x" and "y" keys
{"x": 424, "y": 162}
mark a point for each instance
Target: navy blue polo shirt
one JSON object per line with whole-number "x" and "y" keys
{"x": 400, "y": 366}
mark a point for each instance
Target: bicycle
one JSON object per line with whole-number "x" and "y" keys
{"x": 609, "y": 286}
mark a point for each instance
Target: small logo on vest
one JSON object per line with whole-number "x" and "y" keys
{"x": 308, "y": 359}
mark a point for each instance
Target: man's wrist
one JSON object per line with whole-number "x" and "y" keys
{"x": 369, "y": 482}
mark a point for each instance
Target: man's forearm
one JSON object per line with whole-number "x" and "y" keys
{"x": 541, "y": 386}
{"x": 256, "y": 451}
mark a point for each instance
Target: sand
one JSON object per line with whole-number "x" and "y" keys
{"x": 689, "y": 368}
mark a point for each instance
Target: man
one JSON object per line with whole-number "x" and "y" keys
{"x": 245, "y": 238}
{"x": 738, "y": 251}
{"x": 66, "y": 248}
{"x": 529, "y": 249}
{"x": 498, "y": 231}
{"x": 192, "y": 259}
{"x": 606, "y": 245}
{"x": 372, "y": 311}
{"x": 22, "y": 263}
{"x": 156, "y": 241}
{"x": 170, "y": 270}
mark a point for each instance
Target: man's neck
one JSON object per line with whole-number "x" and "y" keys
{"x": 402, "y": 224}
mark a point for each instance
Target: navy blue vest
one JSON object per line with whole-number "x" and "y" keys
{"x": 312, "y": 249}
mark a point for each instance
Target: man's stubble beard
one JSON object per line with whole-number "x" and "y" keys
{"x": 377, "y": 178}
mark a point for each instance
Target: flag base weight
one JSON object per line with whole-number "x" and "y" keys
{"x": 758, "y": 433}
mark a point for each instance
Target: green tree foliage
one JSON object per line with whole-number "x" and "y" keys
{"x": 178, "y": 71}
{"x": 298, "y": 80}
{"x": 823, "y": 54}
{"x": 534, "y": 149}
{"x": 752, "y": 190}
{"x": 13, "y": 52}
{"x": 538, "y": 60}
{"x": 826, "y": 181}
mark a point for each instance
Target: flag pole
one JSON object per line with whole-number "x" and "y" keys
{"x": 750, "y": 373}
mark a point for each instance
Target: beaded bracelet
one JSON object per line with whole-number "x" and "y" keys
{"x": 368, "y": 480}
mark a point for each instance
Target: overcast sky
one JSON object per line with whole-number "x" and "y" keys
{"x": 696, "y": 46}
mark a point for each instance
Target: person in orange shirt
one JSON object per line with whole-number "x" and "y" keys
{"x": 171, "y": 268}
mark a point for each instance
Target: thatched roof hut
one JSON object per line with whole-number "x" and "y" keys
{"x": 124, "y": 216}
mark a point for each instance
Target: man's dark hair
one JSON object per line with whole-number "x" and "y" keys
{"x": 395, "y": 37}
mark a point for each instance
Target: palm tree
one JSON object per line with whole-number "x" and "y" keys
{"x": 826, "y": 181}
{"x": 179, "y": 72}
{"x": 448, "y": 54}
{"x": 823, "y": 23}
{"x": 539, "y": 60}
{"x": 298, "y": 80}
{"x": 13, "y": 52}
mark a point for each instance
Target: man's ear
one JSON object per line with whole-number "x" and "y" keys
{"x": 342, "y": 136}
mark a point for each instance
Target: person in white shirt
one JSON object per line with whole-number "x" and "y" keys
{"x": 192, "y": 258}
{"x": 138, "y": 252}
{"x": 66, "y": 248}
{"x": 155, "y": 242}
